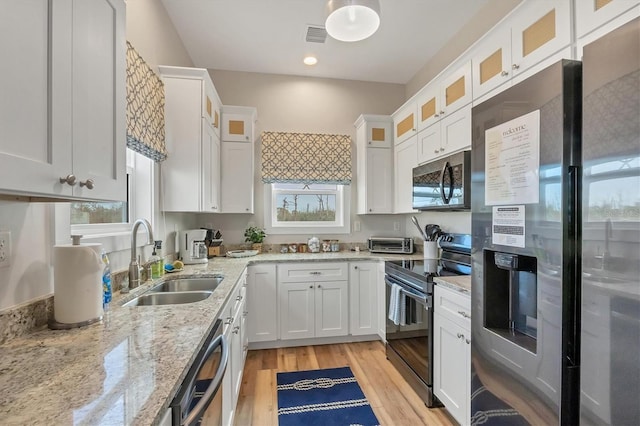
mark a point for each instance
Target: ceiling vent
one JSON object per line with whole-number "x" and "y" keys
{"x": 316, "y": 34}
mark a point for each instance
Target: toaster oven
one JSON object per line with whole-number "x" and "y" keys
{"x": 391, "y": 245}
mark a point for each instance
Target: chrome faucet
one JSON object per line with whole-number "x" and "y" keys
{"x": 134, "y": 266}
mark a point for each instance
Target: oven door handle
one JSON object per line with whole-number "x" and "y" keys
{"x": 423, "y": 299}
{"x": 208, "y": 395}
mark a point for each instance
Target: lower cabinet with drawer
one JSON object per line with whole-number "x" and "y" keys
{"x": 452, "y": 352}
{"x": 234, "y": 318}
{"x": 313, "y": 300}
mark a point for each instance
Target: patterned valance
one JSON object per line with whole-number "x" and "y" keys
{"x": 145, "y": 108}
{"x": 306, "y": 158}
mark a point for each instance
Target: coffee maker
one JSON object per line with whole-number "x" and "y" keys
{"x": 193, "y": 249}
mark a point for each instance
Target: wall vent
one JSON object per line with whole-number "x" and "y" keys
{"x": 316, "y": 34}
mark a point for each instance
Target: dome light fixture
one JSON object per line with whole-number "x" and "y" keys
{"x": 310, "y": 60}
{"x": 352, "y": 20}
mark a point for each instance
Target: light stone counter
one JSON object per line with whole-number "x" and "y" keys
{"x": 126, "y": 369}
{"x": 461, "y": 283}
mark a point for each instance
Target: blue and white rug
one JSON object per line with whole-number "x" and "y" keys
{"x": 322, "y": 397}
{"x": 489, "y": 410}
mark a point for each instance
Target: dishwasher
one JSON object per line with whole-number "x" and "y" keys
{"x": 209, "y": 366}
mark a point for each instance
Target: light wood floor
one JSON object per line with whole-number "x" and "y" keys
{"x": 391, "y": 398}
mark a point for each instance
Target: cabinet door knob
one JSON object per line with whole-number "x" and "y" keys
{"x": 435, "y": 151}
{"x": 504, "y": 73}
{"x": 441, "y": 149}
{"x": 319, "y": 286}
{"x": 355, "y": 267}
{"x": 228, "y": 321}
{"x": 88, "y": 183}
{"x": 460, "y": 336}
{"x": 467, "y": 341}
{"x": 369, "y": 142}
{"x": 370, "y": 210}
{"x": 441, "y": 112}
{"x": 246, "y": 209}
{"x": 515, "y": 66}
{"x": 69, "y": 180}
{"x": 436, "y": 115}
{"x": 239, "y": 298}
{"x": 236, "y": 329}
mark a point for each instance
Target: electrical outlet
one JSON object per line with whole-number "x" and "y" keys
{"x": 396, "y": 226}
{"x": 5, "y": 249}
{"x": 356, "y": 226}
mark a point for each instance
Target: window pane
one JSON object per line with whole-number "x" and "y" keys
{"x": 305, "y": 207}
{"x": 93, "y": 212}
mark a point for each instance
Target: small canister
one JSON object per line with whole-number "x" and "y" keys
{"x": 313, "y": 244}
{"x": 335, "y": 246}
{"x": 284, "y": 248}
{"x": 302, "y": 248}
{"x": 293, "y": 248}
{"x": 326, "y": 246}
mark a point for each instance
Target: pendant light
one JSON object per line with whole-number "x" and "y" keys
{"x": 352, "y": 20}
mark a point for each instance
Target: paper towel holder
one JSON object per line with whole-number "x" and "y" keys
{"x": 55, "y": 325}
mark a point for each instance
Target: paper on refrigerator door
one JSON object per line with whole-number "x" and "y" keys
{"x": 512, "y": 161}
{"x": 507, "y": 225}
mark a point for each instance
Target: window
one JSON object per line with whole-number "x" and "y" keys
{"x": 109, "y": 222}
{"x": 302, "y": 208}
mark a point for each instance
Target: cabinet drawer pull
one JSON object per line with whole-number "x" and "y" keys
{"x": 88, "y": 183}
{"x": 228, "y": 321}
{"x": 69, "y": 180}
{"x": 236, "y": 329}
{"x": 464, "y": 314}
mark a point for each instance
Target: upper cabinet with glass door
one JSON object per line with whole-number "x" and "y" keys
{"x": 62, "y": 110}
{"x": 445, "y": 95}
{"x": 534, "y": 32}
{"x": 238, "y": 124}
{"x": 592, "y": 14}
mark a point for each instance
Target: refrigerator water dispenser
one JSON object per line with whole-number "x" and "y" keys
{"x": 512, "y": 297}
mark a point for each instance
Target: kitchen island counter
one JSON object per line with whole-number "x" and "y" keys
{"x": 125, "y": 369}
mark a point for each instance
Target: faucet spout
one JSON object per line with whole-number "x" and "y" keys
{"x": 134, "y": 266}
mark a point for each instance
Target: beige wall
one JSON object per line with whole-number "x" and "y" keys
{"x": 303, "y": 104}
{"x": 31, "y": 224}
{"x": 486, "y": 18}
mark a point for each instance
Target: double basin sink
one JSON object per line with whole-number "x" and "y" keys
{"x": 178, "y": 291}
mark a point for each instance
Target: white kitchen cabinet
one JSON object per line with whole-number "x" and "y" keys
{"x": 405, "y": 122}
{"x": 381, "y": 310}
{"x": 262, "y": 301}
{"x": 444, "y": 95}
{"x": 237, "y": 177}
{"x": 535, "y": 31}
{"x": 233, "y": 316}
{"x": 238, "y": 123}
{"x": 191, "y": 172}
{"x": 62, "y": 112}
{"x": 597, "y": 13}
{"x": 452, "y": 352}
{"x": 375, "y": 164}
{"x": 405, "y": 159}
{"x": 445, "y": 137}
{"x": 313, "y": 300}
{"x": 363, "y": 298}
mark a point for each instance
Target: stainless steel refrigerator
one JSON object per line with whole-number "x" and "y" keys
{"x": 526, "y": 239}
{"x": 556, "y": 243}
{"x": 610, "y": 320}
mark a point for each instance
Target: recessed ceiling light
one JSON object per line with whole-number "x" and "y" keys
{"x": 310, "y": 60}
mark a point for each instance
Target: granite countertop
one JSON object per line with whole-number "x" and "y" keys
{"x": 125, "y": 369}
{"x": 461, "y": 283}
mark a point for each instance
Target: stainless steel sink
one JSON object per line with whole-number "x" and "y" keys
{"x": 188, "y": 284}
{"x": 152, "y": 299}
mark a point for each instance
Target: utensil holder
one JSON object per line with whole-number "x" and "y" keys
{"x": 431, "y": 250}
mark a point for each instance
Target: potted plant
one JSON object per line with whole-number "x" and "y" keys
{"x": 254, "y": 235}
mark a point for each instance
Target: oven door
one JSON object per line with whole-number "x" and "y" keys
{"x": 200, "y": 395}
{"x": 412, "y": 341}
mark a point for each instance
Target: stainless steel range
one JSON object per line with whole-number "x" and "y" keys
{"x": 409, "y": 329}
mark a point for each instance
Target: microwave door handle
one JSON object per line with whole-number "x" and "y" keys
{"x": 447, "y": 168}
{"x": 201, "y": 406}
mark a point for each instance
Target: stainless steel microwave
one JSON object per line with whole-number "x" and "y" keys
{"x": 443, "y": 184}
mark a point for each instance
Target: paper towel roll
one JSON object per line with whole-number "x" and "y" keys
{"x": 77, "y": 283}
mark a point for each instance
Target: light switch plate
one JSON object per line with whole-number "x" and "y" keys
{"x": 5, "y": 249}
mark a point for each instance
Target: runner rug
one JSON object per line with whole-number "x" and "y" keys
{"x": 322, "y": 397}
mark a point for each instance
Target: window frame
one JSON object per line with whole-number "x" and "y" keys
{"x": 342, "y": 225}
{"x": 115, "y": 236}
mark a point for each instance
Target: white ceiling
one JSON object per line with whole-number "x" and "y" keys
{"x": 268, "y": 36}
